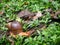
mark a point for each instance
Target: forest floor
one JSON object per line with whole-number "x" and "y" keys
{"x": 42, "y": 16}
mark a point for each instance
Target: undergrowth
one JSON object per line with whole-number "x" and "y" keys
{"x": 47, "y": 36}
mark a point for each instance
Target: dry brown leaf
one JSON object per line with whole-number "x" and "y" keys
{"x": 1, "y": 12}
{"x": 25, "y": 14}
{"x": 55, "y": 15}
{"x": 38, "y": 14}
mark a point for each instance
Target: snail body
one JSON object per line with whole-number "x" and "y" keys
{"x": 15, "y": 28}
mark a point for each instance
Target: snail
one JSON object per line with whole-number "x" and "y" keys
{"x": 15, "y": 28}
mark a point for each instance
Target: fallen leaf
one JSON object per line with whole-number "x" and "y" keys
{"x": 38, "y": 14}
{"x": 1, "y": 12}
{"x": 55, "y": 15}
{"x": 25, "y": 14}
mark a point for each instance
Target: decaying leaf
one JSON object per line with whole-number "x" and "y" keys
{"x": 1, "y": 12}
{"x": 38, "y": 14}
{"x": 25, "y": 14}
{"x": 52, "y": 13}
{"x": 55, "y": 15}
